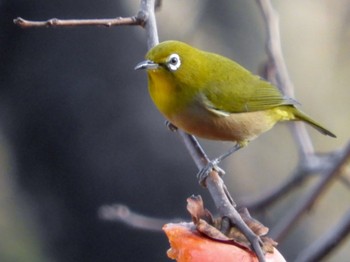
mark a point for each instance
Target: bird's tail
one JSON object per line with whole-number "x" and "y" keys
{"x": 299, "y": 115}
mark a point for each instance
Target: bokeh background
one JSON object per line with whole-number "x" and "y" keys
{"x": 78, "y": 129}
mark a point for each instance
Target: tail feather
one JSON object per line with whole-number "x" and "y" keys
{"x": 303, "y": 117}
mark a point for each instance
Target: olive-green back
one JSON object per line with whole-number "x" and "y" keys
{"x": 231, "y": 88}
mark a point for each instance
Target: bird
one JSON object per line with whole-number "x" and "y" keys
{"x": 213, "y": 97}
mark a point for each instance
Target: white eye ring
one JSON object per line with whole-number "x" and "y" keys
{"x": 173, "y": 62}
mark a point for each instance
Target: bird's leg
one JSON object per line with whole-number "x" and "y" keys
{"x": 213, "y": 164}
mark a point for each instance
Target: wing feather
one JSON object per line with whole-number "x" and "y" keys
{"x": 245, "y": 95}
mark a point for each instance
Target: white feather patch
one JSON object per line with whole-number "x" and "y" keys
{"x": 210, "y": 107}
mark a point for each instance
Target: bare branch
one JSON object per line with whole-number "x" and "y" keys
{"x": 146, "y": 13}
{"x": 122, "y": 213}
{"x": 274, "y": 48}
{"x": 55, "y": 22}
{"x": 194, "y": 148}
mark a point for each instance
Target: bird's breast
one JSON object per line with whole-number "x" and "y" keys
{"x": 237, "y": 127}
{"x": 169, "y": 97}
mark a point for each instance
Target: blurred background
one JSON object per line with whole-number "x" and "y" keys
{"x": 78, "y": 129}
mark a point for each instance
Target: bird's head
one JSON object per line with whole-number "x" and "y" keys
{"x": 172, "y": 58}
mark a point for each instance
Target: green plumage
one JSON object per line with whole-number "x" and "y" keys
{"x": 203, "y": 92}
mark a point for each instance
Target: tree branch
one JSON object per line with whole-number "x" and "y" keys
{"x": 123, "y": 214}
{"x": 55, "y": 22}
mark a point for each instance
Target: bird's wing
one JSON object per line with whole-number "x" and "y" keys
{"x": 249, "y": 95}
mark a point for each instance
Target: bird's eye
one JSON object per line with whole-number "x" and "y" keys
{"x": 173, "y": 62}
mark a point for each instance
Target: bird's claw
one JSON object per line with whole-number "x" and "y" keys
{"x": 170, "y": 126}
{"x": 204, "y": 172}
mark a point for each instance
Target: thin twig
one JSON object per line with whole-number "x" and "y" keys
{"x": 197, "y": 153}
{"x": 122, "y": 213}
{"x": 290, "y": 219}
{"x": 55, "y": 22}
{"x": 327, "y": 243}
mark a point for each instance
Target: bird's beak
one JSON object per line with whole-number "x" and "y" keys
{"x": 147, "y": 64}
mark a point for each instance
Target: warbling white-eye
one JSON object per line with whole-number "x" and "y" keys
{"x": 213, "y": 97}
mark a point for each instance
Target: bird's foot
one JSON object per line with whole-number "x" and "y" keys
{"x": 204, "y": 172}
